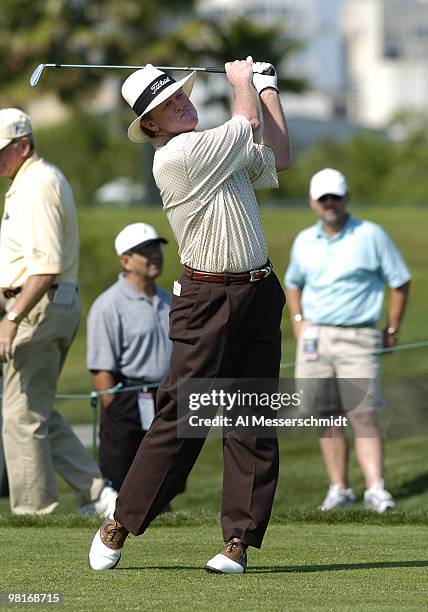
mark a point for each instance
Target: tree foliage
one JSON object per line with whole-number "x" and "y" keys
{"x": 217, "y": 42}
{"x": 380, "y": 171}
{"x": 82, "y": 32}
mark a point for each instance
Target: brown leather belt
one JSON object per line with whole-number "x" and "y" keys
{"x": 228, "y": 277}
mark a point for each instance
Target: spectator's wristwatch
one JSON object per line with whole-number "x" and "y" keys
{"x": 393, "y": 331}
{"x": 298, "y": 317}
{"x": 14, "y": 317}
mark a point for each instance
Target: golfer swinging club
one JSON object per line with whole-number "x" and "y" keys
{"x": 227, "y": 305}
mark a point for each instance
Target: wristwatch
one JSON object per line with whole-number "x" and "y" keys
{"x": 14, "y": 317}
{"x": 392, "y": 331}
{"x": 298, "y": 317}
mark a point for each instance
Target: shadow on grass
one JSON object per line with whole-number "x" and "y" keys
{"x": 416, "y": 486}
{"x": 160, "y": 567}
{"x": 291, "y": 569}
{"x": 337, "y": 567}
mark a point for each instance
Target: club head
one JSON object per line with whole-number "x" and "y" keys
{"x": 35, "y": 77}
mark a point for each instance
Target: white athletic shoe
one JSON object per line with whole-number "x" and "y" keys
{"x": 104, "y": 505}
{"x": 377, "y": 498}
{"x": 106, "y": 547}
{"x": 338, "y": 497}
{"x": 232, "y": 559}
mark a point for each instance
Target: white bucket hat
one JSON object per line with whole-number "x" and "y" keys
{"x": 146, "y": 89}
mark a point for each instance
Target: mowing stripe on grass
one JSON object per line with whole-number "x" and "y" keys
{"x": 208, "y": 518}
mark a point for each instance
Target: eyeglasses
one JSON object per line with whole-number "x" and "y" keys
{"x": 330, "y": 196}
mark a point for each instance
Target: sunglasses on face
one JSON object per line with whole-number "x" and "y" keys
{"x": 330, "y": 196}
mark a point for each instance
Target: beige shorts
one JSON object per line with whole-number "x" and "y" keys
{"x": 345, "y": 376}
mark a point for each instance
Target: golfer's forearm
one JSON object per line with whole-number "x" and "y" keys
{"x": 101, "y": 381}
{"x": 33, "y": 290}
{"x": 275, "y": 129}
{"x": 245, "y": 103}
{"x": 397, "y": 305}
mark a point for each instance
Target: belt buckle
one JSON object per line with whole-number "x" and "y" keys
{"x": 253, "y": 277}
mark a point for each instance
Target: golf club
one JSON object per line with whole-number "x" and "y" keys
{"x": 35, "y": 77}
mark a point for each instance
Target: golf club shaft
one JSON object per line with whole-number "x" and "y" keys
{"x": 35, "y": 77}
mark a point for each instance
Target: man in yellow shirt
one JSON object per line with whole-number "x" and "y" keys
{"x": 39, "y": 259}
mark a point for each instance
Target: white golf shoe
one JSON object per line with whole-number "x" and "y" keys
{"x": 232, "y": 559}
{"x": 338, "y": 497}
{"x": 104, "y": 505}
{"x": 377, "y": 498}
{"x": 106, "y": 547}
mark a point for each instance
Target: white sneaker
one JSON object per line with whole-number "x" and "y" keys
{"x": 104, "y": 505}
{"x": 338, "y": 497}
{"x": 107, "y": 545}
{"x": 377, "y": 498}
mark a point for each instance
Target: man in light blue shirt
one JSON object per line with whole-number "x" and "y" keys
{"x": 335, "y": 288}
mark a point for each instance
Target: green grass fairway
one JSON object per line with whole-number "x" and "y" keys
{"x": 301, "y": 567}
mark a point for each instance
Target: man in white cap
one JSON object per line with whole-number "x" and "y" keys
{"x": 335, "y": 287}
{"x": 39, "y": 259}
{"x": 227, "y": 305}
{"x": 127, "y": 343}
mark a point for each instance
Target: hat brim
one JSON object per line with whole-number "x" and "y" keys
{"x": 147, "y": 243}
{"x": 134, "y": 131}
{"x": 319, "y": 194}
{"x": 4, "y": 142}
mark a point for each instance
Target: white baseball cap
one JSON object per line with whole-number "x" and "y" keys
{"x": 136, "y": 235}
{"x": 327, "y": 181}
{"x": 14, "y": 123}
{"x": 147, "y": 88}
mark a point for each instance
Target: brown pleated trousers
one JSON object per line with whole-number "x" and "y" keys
{"x": 219, "y": 331}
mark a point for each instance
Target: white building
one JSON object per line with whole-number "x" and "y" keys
{"x": 387, "y": 58}
{"x": 314, "y": 23}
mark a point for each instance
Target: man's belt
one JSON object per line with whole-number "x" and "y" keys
{"x": 10, "y": 293}
{"x": 13, "y": 292}
{"x": 228, "y": 277}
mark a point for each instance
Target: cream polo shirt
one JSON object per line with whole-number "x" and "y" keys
{"x": 39, "y": 232}
{"x": 207, "y": 181}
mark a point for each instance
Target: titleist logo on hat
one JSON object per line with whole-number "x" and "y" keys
{"x": 154, "y": 89}
{"x": 159, "y": 84}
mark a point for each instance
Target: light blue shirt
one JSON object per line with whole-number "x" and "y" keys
{"x": 343, "y": 277}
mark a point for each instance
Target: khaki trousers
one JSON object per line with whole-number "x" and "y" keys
{"x": 346, "y": 375}
{"x": 37, "y": 440}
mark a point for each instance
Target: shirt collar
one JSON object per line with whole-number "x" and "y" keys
{"x": 348, "y": 227}
{"x": 160, "y": 141}
{"x": 132, "y": 293}
{"x": 18, "y": 176}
